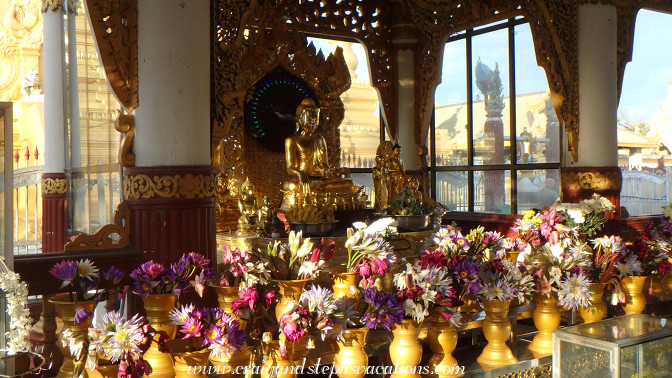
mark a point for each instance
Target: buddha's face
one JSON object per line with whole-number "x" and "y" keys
{"x": 309, "y": 120}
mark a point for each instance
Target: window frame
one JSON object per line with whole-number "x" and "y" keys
{"x": 513, "y": 167}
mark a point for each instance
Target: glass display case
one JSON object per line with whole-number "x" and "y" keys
{"x": 628, "y": 346}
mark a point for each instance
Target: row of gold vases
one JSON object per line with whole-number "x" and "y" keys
{"x": 546, "y": 318}
{"x": 496, "y": 330}
{"x": 67, "y": 309}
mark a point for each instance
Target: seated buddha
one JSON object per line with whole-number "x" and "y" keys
{"x": 307, "y": 161}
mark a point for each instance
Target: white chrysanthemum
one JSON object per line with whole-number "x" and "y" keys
{"x": 629, "y": 267}
{"x": 86, "y": 269}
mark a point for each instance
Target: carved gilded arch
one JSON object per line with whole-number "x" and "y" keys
{"x": 115, "y": 26}
{"x": 235, "y": 154}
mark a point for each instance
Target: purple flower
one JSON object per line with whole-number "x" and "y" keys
{"x": 65, "y": 270}
{"x": 383, "y": 310}
{"x": 113, "y": 276}
{"x": 82, "y": 315}
{"x": 212, "y": 334}
{"x": 207, "y": 274}
{"x": 236, "y": 335}
{"x": 196, "y": 259}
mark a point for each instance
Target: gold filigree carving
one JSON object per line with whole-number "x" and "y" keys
{"x": 20, "y": 46}
{"x": 115, "y": 235}
{"x": 609, "y": 180}
{"x": 125, "y": 124}
{"x": 115, "y": 26}
{"x": 54, "y": 186}
{"x": 235, "y": 72}
{"x": 187, "y": 186}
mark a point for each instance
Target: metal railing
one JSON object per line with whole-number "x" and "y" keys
{"x": 27, "y": 203}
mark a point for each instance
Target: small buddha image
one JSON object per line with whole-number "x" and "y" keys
{"x": 265, "y": 217}
{"x": 380, "y": 175}
{"x": 307, "y": 161}
{"x": 389, "y": 175}
{"x": 396, "y": 171}
{"x": 247, "y": 205}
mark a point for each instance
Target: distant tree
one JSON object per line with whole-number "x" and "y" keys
{"x": 638, "y": 126}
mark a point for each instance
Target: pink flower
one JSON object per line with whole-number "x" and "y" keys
{"x": 192, "y": 327}
{"x": 251, "y": 296}
{"x": 364, "y": 270}
{"x": 269, "y": 297}
{"x": 379, "y": 266}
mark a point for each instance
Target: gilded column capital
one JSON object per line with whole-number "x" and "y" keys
{"x": 169, "y": 186}
{"x": 51, "y": 185}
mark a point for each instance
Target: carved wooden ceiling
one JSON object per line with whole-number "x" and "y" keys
{"x": 378, "y": 24}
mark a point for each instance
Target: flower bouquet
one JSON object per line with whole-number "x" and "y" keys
{"x": 299, "y": 258}
{"x": 208, "y": 328}
{"x": 19, "y": 323}
{"x": 420, "y": 289}
{"x": 369, "y": 251}
{"x": 588, "y": 216}
{"x": 603, "y": 273}
{"x": 502, "y": 280}
{"x": 81, "y": 277}
{"x": 118, "y": 341}
{"x": 155, "y": 278}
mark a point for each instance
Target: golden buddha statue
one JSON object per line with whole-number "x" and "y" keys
{"x": 247, "y": 205}
{"x": 307, "y": 160}
{"x": 389, "y": 175}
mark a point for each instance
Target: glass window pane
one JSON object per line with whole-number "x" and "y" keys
{"x": 492, "y": 192}
{"x": 537, "y": 126}
{"x": 94, "y": 141}
{"x": 452, "y": 190}
{"x": 450, "y": 117}
{"x": 537, "y": 188}
{"x": 490, "y": 57}
{"x": 360, "y": 129}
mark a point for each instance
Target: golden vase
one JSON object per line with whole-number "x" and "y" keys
{"x": 405, "y": 349}
{"x": 667, "y": 283}
{"x": 104, "y": 371}
{"x": 225, "y": 297}
{"x": 351, "y": 360}
{"x": 342, "y": 284}
{"x": 228, "y": 366}
{"x": 67, "y": 309}
{"x": 634, "y": 297}
{"x": 653, "y": 286}
{"x": 442, "y": 339}
{"x": 288, "y": 290}
{"x": 546, "y": 318}
{"x": 158, "y": 308}
{"x": 496, "y": 329}
{"x": 597, "y": 310}
{"x": 190, "y": 364}
{"x": 277, "y": 366}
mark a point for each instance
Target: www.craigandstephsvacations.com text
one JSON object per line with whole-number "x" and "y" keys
{"x": 329, "y": 370}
